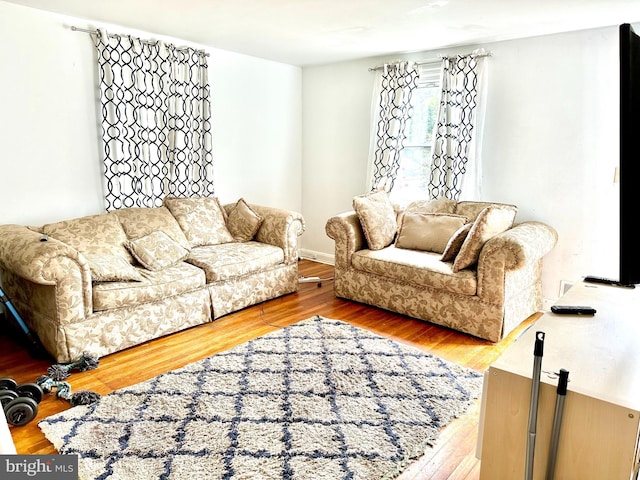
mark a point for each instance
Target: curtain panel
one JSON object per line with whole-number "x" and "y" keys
{"x": 156, "y": 121}
{"x": 456, "y": 128}
{"x": 391, "y": 110}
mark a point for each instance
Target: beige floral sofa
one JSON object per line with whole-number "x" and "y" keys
{"x": 463, "y": 265}
{"x": 105, "y": 282}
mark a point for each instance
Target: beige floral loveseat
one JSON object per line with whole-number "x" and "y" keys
{"x": 106, "y": 282}
{"x": 463, "y": 265}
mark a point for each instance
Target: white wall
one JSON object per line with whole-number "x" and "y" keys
{"x": 550, "y": 143}
{"x": 50, "y": 157}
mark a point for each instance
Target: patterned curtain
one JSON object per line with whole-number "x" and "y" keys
{"x": 156, "y": 121}
{"x": 391, "y": 111}
{"x": 455, "y": 127}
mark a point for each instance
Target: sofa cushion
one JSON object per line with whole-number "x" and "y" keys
{"x": 455, "y": 243}
{"x": 416, "y": 268}
{"x": 490, "y": 222}
{"x": 138, "y": 222}
{"x": 377, "y": 217}
{"x": 92, "y": 235}
{"x": 157, "y": 250}
{"x": 428, "y": 231}
{"x": 111, "y": 268}
{"x": 202, "y": 219}
{"x": 243, "y": 222}
{"x": 471, "y": 209}
{"x": 232, "y": 260}
{"x": 155, "y": 286}
{"x": 440, "y": 205}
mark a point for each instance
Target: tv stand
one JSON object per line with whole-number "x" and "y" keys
{"x": 600, "y": 430}
{"x": 606, "y": 281}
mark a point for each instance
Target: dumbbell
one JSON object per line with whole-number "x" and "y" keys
{"x": 19, "y": 402}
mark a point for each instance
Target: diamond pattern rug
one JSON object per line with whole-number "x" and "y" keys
{"x": 320, "y": 399}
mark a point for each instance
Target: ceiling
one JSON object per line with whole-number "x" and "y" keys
{"x": 308, "y": 32}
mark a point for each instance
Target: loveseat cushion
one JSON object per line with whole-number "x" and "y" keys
{"x": 377, "y": 217}
{"x": 155, "y": 286}
{"x": 455, "y": 243}
{"x": 138, "y": 222}
{"x": 428, "y": 231}
{"x": 232, "y": 260}
{"x": 490, "y": 222}
{"x": 471, "y": 209}
{"x": 415, "y": 267}
{"x": 202, "y": 219}
{"x": 440, "y": 205}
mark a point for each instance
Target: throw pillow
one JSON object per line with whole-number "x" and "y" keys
{"x": 243, "y": 223}
{"x": 111, "y": 268}
{"x": 138, "y": 222}
{"x": 428, "y": 231}
{"x": 157, "y": 251}
{"x": 490, "y": 222}
{"x": 377, "y": 218}
{"x": 202, "y": 219}
{"x": 455, "y": 243}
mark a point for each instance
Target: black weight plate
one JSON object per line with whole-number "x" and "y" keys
{"x": 31, "y": 390}
{"x": 21, "y": 411}
{"x": 6, "y": 396}
{"x": 8, "y": 384}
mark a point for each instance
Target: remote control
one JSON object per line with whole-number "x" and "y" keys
{"x": 602, "y": 280}
{"x": 573, "y": 310}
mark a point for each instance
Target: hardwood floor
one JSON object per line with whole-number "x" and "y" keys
{"x": 453, "y": 457}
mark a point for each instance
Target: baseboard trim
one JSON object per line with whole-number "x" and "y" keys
{"x": 317, "y": 256}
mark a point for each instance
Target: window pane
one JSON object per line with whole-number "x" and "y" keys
{"x": 413, "y": 173}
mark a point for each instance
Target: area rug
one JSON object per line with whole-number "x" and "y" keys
{"x": 320, "y": 399}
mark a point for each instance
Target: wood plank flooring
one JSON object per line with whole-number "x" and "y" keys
{"x": 453, "y": 457}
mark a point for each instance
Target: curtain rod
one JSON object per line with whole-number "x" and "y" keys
{"x": 435, "y": 60}
{"x": 148, "y": 42}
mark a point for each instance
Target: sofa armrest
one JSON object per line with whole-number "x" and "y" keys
{"x": 523, "y": 245}
{"x": 280, "y": 227}
{"x": 48, "y": 262}
{"x": 345, "y": 229}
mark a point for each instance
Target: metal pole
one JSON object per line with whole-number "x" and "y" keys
{"x": 36, "y": 348}
{"x": 533, "y": 407}
{"x": 563, "y": 380}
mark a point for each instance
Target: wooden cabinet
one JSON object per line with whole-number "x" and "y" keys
{"x": 601, "y": 421}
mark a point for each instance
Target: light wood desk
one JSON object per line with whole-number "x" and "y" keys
{"x": 601, "y": 421}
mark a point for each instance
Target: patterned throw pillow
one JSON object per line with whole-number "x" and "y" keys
{"x": 428, "y": 231}
{"x": 243, "y": 223}
{"x": 138, "y": 222}
{"x": 455, "y": 243}
{"x": 202, "y": 219}
{"x": 377, "y": 218}
{"x": 490, "y": 222}
{"x": 111, "y": 268}
{"x": 157, "y": 251}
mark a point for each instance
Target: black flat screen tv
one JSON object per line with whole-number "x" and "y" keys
{"x": 629, "y": 174}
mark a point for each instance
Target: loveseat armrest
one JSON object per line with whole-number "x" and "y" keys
{"x": 525, "y": 242}
{"x": 345, "y": 229}
{"x": 280, "y": 227}
{"x": 50, "y": 262}
{"x": 523, "y": 245}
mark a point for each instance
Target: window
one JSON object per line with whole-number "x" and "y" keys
{"x": 415, "y": 158}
